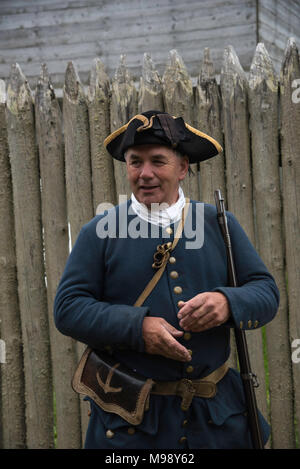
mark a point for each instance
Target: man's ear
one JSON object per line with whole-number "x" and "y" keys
{"x": 184, "y": 166}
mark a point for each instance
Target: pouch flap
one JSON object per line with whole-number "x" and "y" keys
{"x": 112, "y": 386}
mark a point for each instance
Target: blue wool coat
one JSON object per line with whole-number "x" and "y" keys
{"x": 103, "y": 278}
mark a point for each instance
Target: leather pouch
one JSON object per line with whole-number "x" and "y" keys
{"x": 112, "y": 386}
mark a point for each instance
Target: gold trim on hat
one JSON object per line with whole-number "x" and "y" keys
{"x": 148, "y": 124}
{"x": 115, "y": 134}
{"x": 203, "y": 135}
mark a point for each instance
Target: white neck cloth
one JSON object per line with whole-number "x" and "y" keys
{"x": 160, "y": 214}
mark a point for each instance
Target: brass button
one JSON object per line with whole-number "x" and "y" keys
{"x": 109, "y": 434}
{"x": 184, "y": 423}
{"x": 249, "y": 323}
{"x": 256, "y": 323}
{"x": 187, "y": 335}
{"x": 169, "y": 230}
{"x": 241, "y": 324}
{"x": 190, "y": 369}
{"x": 177, "y": 290}
{"x": 190, "y": 351}
{"x": 172, "y": 260}
{"x": 174, "y": 274}
{"x": 131, "y": 430}
{"x": 182, "y": 439}
{"x": 180, "y": 303}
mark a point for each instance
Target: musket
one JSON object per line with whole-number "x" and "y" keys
{"x": 249, "y": 379}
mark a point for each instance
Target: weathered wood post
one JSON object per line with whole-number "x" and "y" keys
{"x": 30, "y": 262}
{"x": 290, "y": 156}
{"x": 54, "y": 214}
{"x": 207, "y": 118}
{"x": 263, "y": 107}
{"x": 178, "y": 97}
{"x": 123, "y": 107}
{"x": 12, "y": 394}
{"x": 103, "y": 182}
{"x": 77, "y": 152}
{"x": 150, "y": 92}
{"x": 78, "y": 170}
{"x": 239, "y": 184}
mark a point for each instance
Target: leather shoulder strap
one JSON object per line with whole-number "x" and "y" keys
{"x": 150, "y": 286}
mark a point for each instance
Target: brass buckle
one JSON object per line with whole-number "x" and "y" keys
{"x": 187, "y": 392}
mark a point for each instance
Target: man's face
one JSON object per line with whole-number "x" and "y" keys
{"x": 154, "y": 173}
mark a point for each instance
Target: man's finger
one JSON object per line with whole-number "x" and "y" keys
{"x": 205, "y": 326}
{"x": 195, "y": 315}
{"x": 172, "y": 330}
{"x": 174, "y": 349}
{"x": 188, "y": 307}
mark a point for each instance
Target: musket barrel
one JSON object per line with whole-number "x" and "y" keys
{"x": 240, "y": 336}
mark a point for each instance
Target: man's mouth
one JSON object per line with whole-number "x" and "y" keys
{"x": 148, "y": 188}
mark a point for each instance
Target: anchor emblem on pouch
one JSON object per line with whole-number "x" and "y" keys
{"x": 106, "y": 386}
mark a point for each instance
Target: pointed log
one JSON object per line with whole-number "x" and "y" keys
{"x": 290, "y": 156}
{"x": 77, "y": 152}
{"x": 178, "y": 97}
{"x": 78, "y": 172}
{"x": 48, "y": 119}
{"x": 11, "y": 377}
{"x": 234, "y": 89}
{"x": 150, "y": 92}
{"x": 263, "y": 107}
{"x": 237, "y": 139}
{"x": 123, "y": 108}
{"x": 99, "y": 122}
{"x": 208, "y": 119}
{"x": 30, "y": 263}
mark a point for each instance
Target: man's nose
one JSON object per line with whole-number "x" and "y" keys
{"x": 146, "y": 171}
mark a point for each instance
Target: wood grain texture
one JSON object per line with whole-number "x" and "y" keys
{"x": 178, "y": 99}
{"x": 103, "y": 181}
{"x": 264, "y": 118}
{"x": 55, "y": 32}
{"x": 49, "y": 134}
{"x": 290, "y": 156}
{"x": 12, "y": 396}
{"x": 234, "y": 89}
{"x": 30, "y": 262}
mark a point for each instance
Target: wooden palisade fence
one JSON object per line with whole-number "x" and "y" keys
{"x": 54, "y": 172}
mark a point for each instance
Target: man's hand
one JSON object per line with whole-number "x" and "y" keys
{"x": 160, "y": 339}
{"x": 204, "y": 311}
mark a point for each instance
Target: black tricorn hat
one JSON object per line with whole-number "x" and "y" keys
{"x": 160, "y": 128}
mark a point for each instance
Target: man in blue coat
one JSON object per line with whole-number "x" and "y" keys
{"x": 162, "y": 381}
